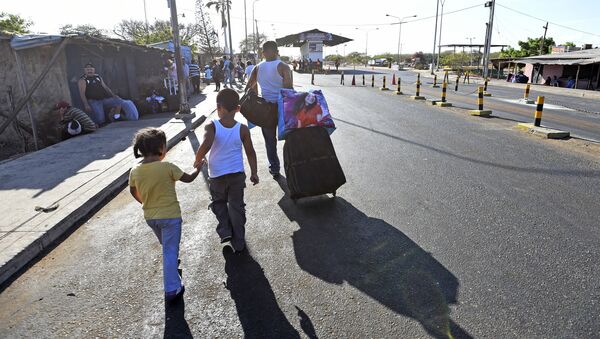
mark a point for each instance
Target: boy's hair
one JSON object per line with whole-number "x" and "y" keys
{"x": 270, "y": 46}
{"x": 228, "y": 99}
{"x": 149, "y": 141}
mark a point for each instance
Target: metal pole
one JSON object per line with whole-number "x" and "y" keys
{"x": 486, "y": 61}
{"x": 435, "y": 34}
{"x": 437, "y": 65}
{"x": 230, "y": 41}
{"x": 184, "y": 107}
{"x": 246, "y": 26}
{"x": 400, "y": 41}
{"x": 146, "y": 20}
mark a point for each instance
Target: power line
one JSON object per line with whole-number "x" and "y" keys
{"x": 544, "y": 20}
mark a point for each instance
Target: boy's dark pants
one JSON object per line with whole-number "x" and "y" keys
{"x": 227, "y": 196}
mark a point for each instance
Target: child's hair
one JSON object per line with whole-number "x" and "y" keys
{"x": 149, "y": 141}
{"x": 228, "y": 99}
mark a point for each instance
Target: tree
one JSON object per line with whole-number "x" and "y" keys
{"x": 455, "y": 61}
{"x": 208, "y": 39}
{"x": 357, "y": 58}
{"x": 82, "y": 29}
{"x": 334, "y": 58}
{"x": 12, "y": 23}
{"x": 569, "y": 44}
{"x": 159, "y": 31}
{"x": 253, "y": 44}
{"x": 222, "y": 7}
{"x": 529, "y": 48}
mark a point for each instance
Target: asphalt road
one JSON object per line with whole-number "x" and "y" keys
{"x": 580, "y": 116}
{"x": 448, "y": 224}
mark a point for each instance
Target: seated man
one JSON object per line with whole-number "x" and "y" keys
{"x": 97, "y": 97}
{"x": 73, "y": 120}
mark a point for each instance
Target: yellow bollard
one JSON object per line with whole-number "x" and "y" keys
{"x": 538, "y": 111}
{"x": 417, "y": 95}
{"x": 480, "y": 111}
{"x": 384, "y": 88}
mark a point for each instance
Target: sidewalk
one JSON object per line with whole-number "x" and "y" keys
{"x": 75, "y": 176}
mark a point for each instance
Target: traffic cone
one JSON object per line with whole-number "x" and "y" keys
{"x": 353, "y": 80}
{"x": 394, "y": 79}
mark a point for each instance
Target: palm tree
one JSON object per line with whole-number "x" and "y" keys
{"x": 223, "y": 7}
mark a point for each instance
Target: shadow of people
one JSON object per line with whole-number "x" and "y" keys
{"x": 257, "y": 308}
{"x": 338, "y": 243}
{"x": 175, "y": 324}
{"x": 306, "y": 325}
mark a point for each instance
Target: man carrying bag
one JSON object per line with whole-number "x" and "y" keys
{"x": 271, "y": 75}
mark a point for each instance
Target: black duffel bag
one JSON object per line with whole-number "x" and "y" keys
{"x": 257, "y": 110}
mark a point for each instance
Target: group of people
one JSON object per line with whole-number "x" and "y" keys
{"x": 191, "y": 75}
{"x": 152, "y": 182}
{"x": 308, "y": 65}
{"x": 226, "y": 71}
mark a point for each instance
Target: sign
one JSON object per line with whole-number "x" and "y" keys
{"x": 315, "y": 47}
{"x": 317, "y": 36}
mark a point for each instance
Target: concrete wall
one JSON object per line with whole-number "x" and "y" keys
{"x": 53, "y": 88}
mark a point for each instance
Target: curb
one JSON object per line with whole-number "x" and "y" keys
{"x": 75, "y": 218}
{"x": 543, "y": 132}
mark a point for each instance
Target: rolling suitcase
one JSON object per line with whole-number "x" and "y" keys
{"x": 311, "y": 165}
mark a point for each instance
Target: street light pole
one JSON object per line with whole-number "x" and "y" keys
{"x": 367, "y": 44}
{"x": 246, "y": 26}
{"x": 400, "y": 22}
{"x": 435, "y": 35}
{"x": 437, "y": 65}
{"x": 471, "y": 51}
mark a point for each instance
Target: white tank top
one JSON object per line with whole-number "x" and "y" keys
{"x": 269, "y": 80}
{"x": 225, "y": 155}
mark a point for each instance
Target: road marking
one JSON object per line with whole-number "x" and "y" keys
{"x": 546, "y": 106}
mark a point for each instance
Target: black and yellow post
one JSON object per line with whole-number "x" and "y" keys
{"x": 457, "y": 80}
{"x": 526, "y": 99}
{"x": 538, "y": 111}
{"x": 399, "y": 90}
{"x": 417, "y": 95}
{"x": 384, "y": 87}
{"x": 446, "y": 77}
{"x": 443, "y": 103}
{"x": 363, "y": 79}
{"x": 353, "y": 80}
{"x": 373, "y": 80}
{"x": 312, "y": 77}
{"x": 485, "y": 92}
{"x": 342, "y": 79}
{"x": 480, "y": 111}
{"x": 435, "y": 85}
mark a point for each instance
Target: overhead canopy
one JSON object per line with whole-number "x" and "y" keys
{"x": 584, "y": 57}
{"x": 299, "y": 39}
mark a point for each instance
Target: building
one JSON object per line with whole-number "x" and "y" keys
{"x": 56, "y": 62}
{"x": 582, "y": 66}
{"x": 311, "y": 43}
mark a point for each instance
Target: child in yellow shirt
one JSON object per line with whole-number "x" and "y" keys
{"x": 152, "y": 184}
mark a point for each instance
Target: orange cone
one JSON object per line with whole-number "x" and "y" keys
{"x": 394, "y": 79}
{"x": 353, "y": 81}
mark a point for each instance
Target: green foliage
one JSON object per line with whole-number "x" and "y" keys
{"x": 529, "y": 48}
{"x": 569, "y": 44}
{"x": 82, "y": 29}
{"x": 455, "y": 61}
{"x": 334, "y": 58}
{"x": 12, "y": 23}
{"x": 159, "y": 31}
{"x": 253, "y": 44}
{"x": 357, "y": 58}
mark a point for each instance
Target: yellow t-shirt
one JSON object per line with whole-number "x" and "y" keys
{"x": 155, "y": 181}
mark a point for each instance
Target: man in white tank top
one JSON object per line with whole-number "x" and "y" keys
{"x": 224, "y": 138}
{"x": 271, "y": 75}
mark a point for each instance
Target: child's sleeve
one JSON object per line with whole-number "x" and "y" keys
{"x": 176, "y": 172}
{"x": 132, "y": 177}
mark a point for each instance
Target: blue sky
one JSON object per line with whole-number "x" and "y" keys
{"x": 277, "y": 18}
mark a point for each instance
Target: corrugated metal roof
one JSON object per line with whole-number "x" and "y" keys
{"x": 19, "y": 42}
{"x": 584, "y": 57}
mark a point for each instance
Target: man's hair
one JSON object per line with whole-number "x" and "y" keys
{"x": 270, "y": 46}
{"x": 228, "y": 99}
{"x": 249, "y": 63}
{"x": 149, "y": 141}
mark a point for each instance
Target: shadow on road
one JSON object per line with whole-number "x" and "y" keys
{"x": 338, "y": 243}
{"x": 175, "y": 324}
{"x": 257, "y": 308}
{"x": 576, "y": 173}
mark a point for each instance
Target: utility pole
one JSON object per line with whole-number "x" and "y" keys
{"x": 542, "y": 51}
{"x": 488, "y": 38}
{"x": 246, "y": 26}
{"x": 184, "y": 107}
{"x": 437, "y": 8}
{"x": 146, "y": 21}
{"x": 228, "y": 4}
{"x": 437, "y": 64}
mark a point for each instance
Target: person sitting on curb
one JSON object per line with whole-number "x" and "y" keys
{"x": 96, "y": 96}
{"x": 73, "y": 120}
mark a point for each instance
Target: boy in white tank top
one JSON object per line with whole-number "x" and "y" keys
{"x": 224, "y": 138}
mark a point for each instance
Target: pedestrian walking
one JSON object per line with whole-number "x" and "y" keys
{"x": 224, "y": 138}
{"x": 152, "y": 184}
{"x": 272, "y": 75}
{"x": 195, "y": 77}
{"x": 228, "y": 68}
{"x": 217, "y": 74}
